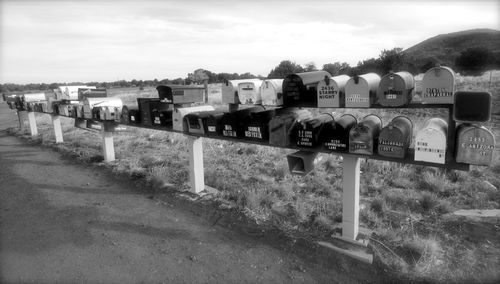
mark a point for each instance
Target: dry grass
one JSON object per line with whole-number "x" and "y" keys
{"x": 401, "y": 203}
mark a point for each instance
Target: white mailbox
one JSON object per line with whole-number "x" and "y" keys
{"x": 438, "y": 86}
{"x": 230, "y": 90}
{"x": 271, "y": 91}
{"x": 249, "y": 92}
{"x": 179, "y": 113}
{"x": 90, "y": 103}
{"x": 361, "y": 91}
{"x": 331, "y": 91}
{"x": 430, "y": 141}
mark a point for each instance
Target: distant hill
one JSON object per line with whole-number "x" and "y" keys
{"x": 445, "y": 48}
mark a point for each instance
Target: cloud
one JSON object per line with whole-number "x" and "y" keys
{"x": 98, "y": 40}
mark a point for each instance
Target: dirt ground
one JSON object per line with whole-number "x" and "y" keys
{"x": 63, "y": 222}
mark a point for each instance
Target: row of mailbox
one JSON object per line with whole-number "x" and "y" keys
{"x": 295, "y": 127}
{"x": 320, "y": 89}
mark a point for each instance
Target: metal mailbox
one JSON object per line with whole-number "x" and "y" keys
{"x": 430, "y": 141}
{"x": 130, "y": 115}
{"x": 102, "y": 113}
{"x": 306, "y": 133}
{"x": 281, "y": 125}
{"x": 162, "y": 117}
{"x": 396, "y": 89}
{"x": 438, "y": 85}
{"x": 256, "y": 126}
{"x": 180, "y": 94}
{"x": 112, "y": 113}
{"x": 147, "y": 106}
{"x": 197, "y": 121}
{"x": 179, "y": 114}
{"x": 90, "y": 103}
{"x": 213, "y": 123}
{"x": 363, "y": 137}
{"x": 331, "y": 91}
{"x": 230, "y": 90}
{"x": 96, "y": 113}
{"x": 472, "y": 107}
{"x": 301, "y": 162}
{"x": 84, "y": 93}
{"x": 34, "y": 97}
{"x": 395, "y": 138}
{"x": 249, "y": 93}
{"x": 335, "y": 135}
{"x": 271, "y": 91}
{"x": 361, "y": 91}
{"x": 475, "y": 145}
{"x": 300, "y": 89}
{"x": 231, "y": 123}
{"x": 70, "y": 93}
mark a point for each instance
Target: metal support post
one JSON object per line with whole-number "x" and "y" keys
{"x": 350, "y": 197}
{"x": 108, "y": 148}
{"x": 56, "y": 123}
{"x": 32, "y": 122}
{"x": 196, "y": 170}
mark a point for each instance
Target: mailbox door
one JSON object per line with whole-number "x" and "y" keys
{"x": 361, "y": 140}
{"x": 271, "y": 92}
{"x": 395, "y": 89}
{"x": 430, "y": 145}
{"x": 328, "y": 94}
{"x": 249, "y": 93}
{"x": 438, "y": 86}
{"x": 256, "y": 127}
{"x": 229, "y": 93}
{"x": 335, "y": 135}
{"x": 475, "y": 145}
{"x": 357, "y": 95}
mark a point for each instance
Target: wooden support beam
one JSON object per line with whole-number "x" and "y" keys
{"x": 56, "y": 123}
{"x": 196, "y": 170}
{"x": 32, "y": 122}
{"x": 350, "y": 197}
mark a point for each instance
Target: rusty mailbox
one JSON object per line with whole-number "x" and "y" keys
{"x": 472, "y": 107}
{"x": 256, "y": 125}
{"x": 438, "y": 85}
{"x": 180, "y": 94}
{"x": 430, "y": 141}
{"x": 281, "y": 124}
{"x": 363, "y": 137}
{"x": 474, "y": 145}
{"x": 230, "y": 90}
{"x": 306, "y": 133}
{"x": 395, "y": 138}
{"x": 178, "y": 115}
{"x": 197, "y": 122}
{"x": 271, "y": 92}
{"x": 331, "y": 91}
{"x": 335, "y": 135}
{"x": 361, "y": 91}
{"x": 300, "y": 89}
{"x": 231, "y": 124}
{"x": 396, "y": 89}
{"x": 249, "y": 92}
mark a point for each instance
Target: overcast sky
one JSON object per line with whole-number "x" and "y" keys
{"x": 67, "y": 41}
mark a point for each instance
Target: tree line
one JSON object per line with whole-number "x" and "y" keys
{"x": 473, "y": 61}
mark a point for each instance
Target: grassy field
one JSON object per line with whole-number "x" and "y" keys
{"x": 407, "y": 207}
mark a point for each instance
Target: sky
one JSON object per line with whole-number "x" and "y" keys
{"x": 83, "y": 41}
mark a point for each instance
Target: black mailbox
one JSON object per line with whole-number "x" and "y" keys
{"x": 232, "y": 122}
{"x": 472, "y": 107}
{"x": 203, "y": 122}
{"x": 306, "y": 133}
{"x": 335, "y": 135}
{"x": 256, "y": 126}
{"x": 280, "y": 126}
{"x": 130, "y": 115}
{"x": 212, "y": 121}
{"x": 300, "y": 89}
{"x": 146, "y": 108}
{"x": 96, "y": 113}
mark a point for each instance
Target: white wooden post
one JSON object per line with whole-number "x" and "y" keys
{"x": 56, "y": 123}
{"x": 350, "y": 197}
{"x": 108, "y": 148}
{"x": 32, "y": 122}
{"x": 196, "y": 170}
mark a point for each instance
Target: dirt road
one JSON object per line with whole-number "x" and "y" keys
{"x": 63, "y": 222}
